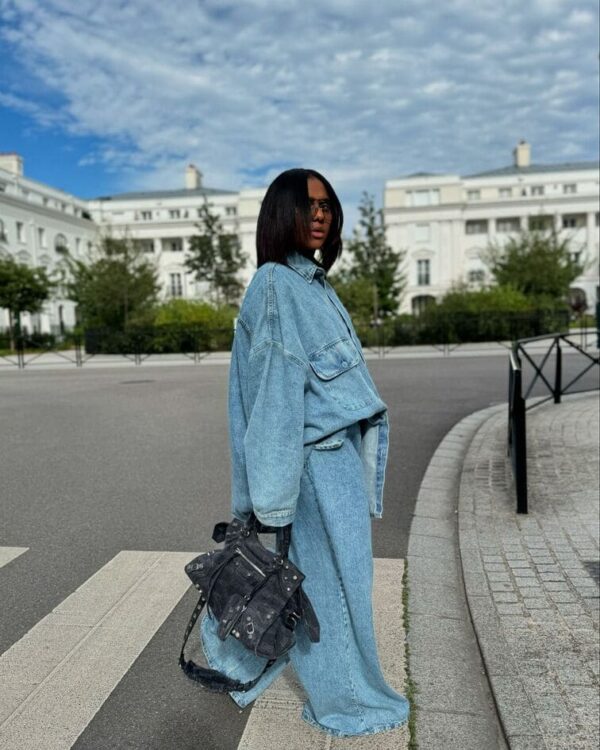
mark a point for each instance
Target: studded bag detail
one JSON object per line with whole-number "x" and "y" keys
{"x": 255, "y": 594}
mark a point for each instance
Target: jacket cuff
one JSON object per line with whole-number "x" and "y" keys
{"x": 276, "y": 517}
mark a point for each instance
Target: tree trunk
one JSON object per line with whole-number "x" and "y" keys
{"x": 11, "y": 334}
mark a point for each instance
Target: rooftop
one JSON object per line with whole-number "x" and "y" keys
{"x": 159, "y": 194}
{"x": 538, "y": 169}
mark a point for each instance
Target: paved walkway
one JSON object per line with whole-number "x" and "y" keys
{"x": 503, "y": 608}
{"x": 532, "y": 580}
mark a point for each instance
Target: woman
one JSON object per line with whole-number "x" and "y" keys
{"x": 309, "y": 440}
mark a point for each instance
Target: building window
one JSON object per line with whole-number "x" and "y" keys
{"x": 423, "y": 272}
{"x": 429, "y": 197}
{"x": 145, "y": 246}
{"x": 511, "y": 224}
{"x": 173, "y": 245}
{"x": 473, "y": 195}
{"x": 569, "y": 189}
{"x": 476, "y": 226}
{"x": 174, "y": 213}
{"x": 540, "y": 223}
{"x": 575, "y": 256}
{"x": 420, "y": 303}
{"x": 146, "y": 215}
{"x": 20, "y": 232}
{"x": 176, "y": 287}
{"x": 230, "y": 211}
{"x": 505, "y": 192}
{"x": 60, "y": 242}
{"x": 573, "y": 221}
{"x": 476, "y": 276}
{"x": 422, "y": 233}
{"x": 41, "y": 237}
{"x": 2, "y": 232}
{"x": 537, "y": 190}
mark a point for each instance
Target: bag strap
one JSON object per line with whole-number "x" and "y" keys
{"x": 283, "y": 534}
{"x": 211, "y": 678}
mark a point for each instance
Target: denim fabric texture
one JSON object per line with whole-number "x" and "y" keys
{"x": 331, "y": 543}
{"x": 309, "y": 442}
{"x": 297, "y": 375}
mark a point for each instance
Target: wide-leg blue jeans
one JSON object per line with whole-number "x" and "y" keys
{"x": 331, "y": 544}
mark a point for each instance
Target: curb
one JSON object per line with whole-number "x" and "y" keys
{"x": 455, "y": 706}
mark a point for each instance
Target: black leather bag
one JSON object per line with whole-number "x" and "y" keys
{"x": 255, "y": 594}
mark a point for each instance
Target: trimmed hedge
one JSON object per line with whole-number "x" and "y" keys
{"x": 438, "y": 327}
{"x": 166, "y": 339}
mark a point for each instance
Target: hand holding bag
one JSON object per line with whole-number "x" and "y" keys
{"x": 255, "y": 594}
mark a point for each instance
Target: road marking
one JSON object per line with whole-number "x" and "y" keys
{"x": 275, "y": 718}
{"x": 7, "y": 554}
{"x": 55, "y": 679}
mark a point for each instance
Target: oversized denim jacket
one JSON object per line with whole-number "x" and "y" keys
{"x": 297, "y": 379}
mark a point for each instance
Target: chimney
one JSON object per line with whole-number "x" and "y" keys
{"x": 12, "y": 163}
{"x": 193, "y": 177}
{"x": 522, "y": 154}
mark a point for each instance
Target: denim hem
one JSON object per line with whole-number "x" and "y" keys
{"x": 340, "y": 733}
{"x": 213, "y": 665}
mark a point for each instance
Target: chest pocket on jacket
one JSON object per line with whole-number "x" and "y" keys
{"x": 335, "y": 365}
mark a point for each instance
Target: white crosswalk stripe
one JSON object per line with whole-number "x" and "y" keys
{"x": 7, "y": 554}
{"x": 54, "y": 680}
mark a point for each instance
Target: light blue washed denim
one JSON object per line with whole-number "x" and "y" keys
{"x": 331, "y": 543}
{"x": 297, "y": 375}
{"x": 309, "y": 444}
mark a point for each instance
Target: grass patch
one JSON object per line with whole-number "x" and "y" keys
{"x": 411, "y": 688}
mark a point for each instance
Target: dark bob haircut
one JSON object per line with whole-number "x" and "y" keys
{"x": 285, "y": 217}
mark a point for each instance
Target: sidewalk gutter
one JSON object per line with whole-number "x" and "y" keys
{"x": 455, "y": 708}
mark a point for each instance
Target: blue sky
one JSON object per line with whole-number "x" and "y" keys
{"x": 103, "y": 97}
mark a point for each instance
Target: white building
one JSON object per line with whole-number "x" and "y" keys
{"x": 162, "y": 222}
{"x": 35, "y": 219}
{"x": 445, "y": 222}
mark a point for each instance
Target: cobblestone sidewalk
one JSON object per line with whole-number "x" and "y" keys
{"x": 532, "y": 580}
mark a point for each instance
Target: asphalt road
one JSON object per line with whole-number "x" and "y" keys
{"x": 93, "y": 462}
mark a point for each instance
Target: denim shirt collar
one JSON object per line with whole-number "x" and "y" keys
{"x": 304, "y": 266}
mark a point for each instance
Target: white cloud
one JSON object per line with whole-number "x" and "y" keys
{"x": 361, "y": 91}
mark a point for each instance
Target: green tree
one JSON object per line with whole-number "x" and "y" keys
{"x": 22, "y": 289}
{"x": 114, "y": 285}
{"x": 216, "y": 257}
{"x": 538, "y": 263}
{"x": 375, "y": 260}
{"x": 357, "y": 296}
{"x": 503, "y": 299}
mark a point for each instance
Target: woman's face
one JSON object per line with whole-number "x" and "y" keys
{"x": 320, "y": 220}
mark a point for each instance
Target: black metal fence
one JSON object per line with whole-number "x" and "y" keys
{"x": 553, "y": 383}
{"x": 136, "y": 343}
